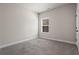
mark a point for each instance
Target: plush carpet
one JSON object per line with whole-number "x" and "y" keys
{"x": 40, "y": 47}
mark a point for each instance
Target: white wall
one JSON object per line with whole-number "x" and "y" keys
{"x": 77, "y": 25}
{"x": 17, "y": 23}
{"x": 62, "y": 23}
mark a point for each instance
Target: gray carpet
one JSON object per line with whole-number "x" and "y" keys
{"x": 40, "y": 47}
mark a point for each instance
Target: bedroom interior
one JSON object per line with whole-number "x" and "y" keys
{"x": 39, "y": 29}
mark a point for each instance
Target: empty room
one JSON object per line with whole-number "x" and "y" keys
{"x": 39, "y": 29}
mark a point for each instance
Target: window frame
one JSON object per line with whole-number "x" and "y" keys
{"x": 44, "y": 25}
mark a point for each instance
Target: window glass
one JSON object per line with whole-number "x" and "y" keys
{"x": 45, "y": 25}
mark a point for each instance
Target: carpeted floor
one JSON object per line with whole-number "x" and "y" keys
{"x": 40, "y": 47}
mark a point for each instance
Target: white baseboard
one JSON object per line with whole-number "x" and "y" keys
{"x": 13, "y": 43}
{"x": 31, "y": 38}
{"x": 61, "y": 41}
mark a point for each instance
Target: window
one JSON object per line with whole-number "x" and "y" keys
{"x": 45, "y": 25}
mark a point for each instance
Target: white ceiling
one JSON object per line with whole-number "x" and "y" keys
{"x": 41, "y": 7}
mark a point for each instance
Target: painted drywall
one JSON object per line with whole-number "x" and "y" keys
{"x": 17, "y": 23}
{"x": 62, "y": 23}
{"x": 77, "y": 25}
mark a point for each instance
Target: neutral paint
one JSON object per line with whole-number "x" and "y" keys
{"x": 42, "y": 7}
{"x": 77, "y": 25}
{"x": 17, "y": 24}
{"x": 62, "y": 24}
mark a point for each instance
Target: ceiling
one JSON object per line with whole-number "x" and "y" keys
{"x": 41, "y": 7}
{"x": 37, "y": 7}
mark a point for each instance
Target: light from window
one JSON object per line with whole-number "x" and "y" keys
{"x": 45, "y": 25}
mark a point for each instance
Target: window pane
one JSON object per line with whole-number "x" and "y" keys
{"x": 45, "y": 28}
{"x": 45, "y": 22}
